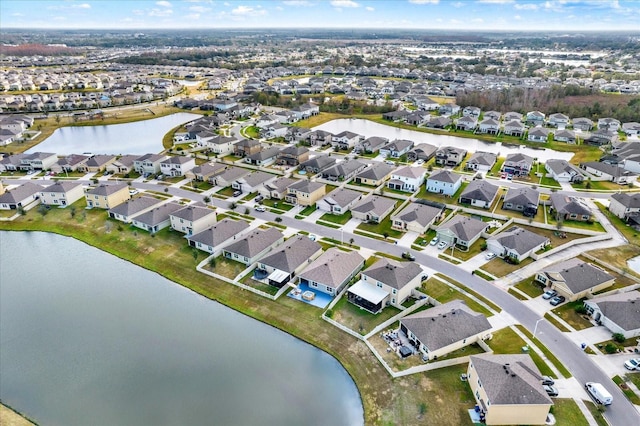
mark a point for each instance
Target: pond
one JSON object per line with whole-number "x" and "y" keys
{"x": 87, "y": 338}
{"x": 140, "y": 137}
{"x": 370, "y": 128}
{"x": 634, "y": 264}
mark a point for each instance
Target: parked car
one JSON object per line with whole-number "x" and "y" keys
{"x": 237, "y": 193}
{"x": 550, "y": 390}
{"x": 259, "y": 199}
{"x": 549, "y": 294}
{"x": 407, "y": 255}
{"x": 261, "y": 209}
{"x": 420, "y": 162}
{"x": 441, "y": 245}
{"x": 312, "y": 237}
{"x": 546, "y": 380}
{"x": 434, "y": 241}
{"x": 490, "y": 255}
{"x": 133, "y": 191}
{"x": 598, "y": 393}
{"x": 557, "y": 300}
{"x": 632, "y": 364}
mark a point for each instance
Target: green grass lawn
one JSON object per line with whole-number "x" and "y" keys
{"x": 634, "y": 378}
{"x": 440, "y": 198}
{"x": 444, "y": 293}
{"x": 248, "y": 280}
{"x": 516, "y": 294}
{"x": 381, "y": 228}
{"x": 358, "y": 319}
{"x": 557, "y": 324}
{"x": 598, "y": 185}
{"x": 596, "y": 413}
{"x": 506, "y": 341}
{"x": 568, "y": 313}
{"x": 549, "y": 181}
{"x": 500, "y": 268}
{"x": 567, "y": 412}
{"x": 278, "y": 204}
{"x": 468, "y": 290}
{"x": 629, "y": 233}
{"x": 227, "y": 267}
{"x": 339, "y": 219}
{"x": 629, "y": 393}
{"x": 475, "y": 249}
{"x": 307, "y": 210}
{"x": 227, "y": 192}
{"x": 550, "y": 356}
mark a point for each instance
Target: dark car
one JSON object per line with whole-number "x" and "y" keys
{"x": 546, "y": 380}
{"x": 557, "y": 300}
{"x": 550, "y": 390}
{"x": 407, "y": 255}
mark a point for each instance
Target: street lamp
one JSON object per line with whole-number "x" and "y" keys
{"x": 341, "y": 236}
{"x": 535, "y": 329}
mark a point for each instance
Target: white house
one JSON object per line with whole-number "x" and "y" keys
{"x": 177, "y": 166}
{"x": 444, "y": 182}
{"x": 407, "y": 179}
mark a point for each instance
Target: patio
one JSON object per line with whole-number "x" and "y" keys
{"x": 320, "y": 299}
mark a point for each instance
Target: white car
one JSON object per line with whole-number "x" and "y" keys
{"x": 434, "y": 241}
{"x": 261, "y": 209}
{"x": 490, "y": 255}
{"x": 420, "y": 162}
{"x": 133, "y": 191}
{"x": 632, "y": 364}
{"x": 442, "y": 245}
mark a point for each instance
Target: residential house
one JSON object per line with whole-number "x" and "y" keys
{"x": 396, "y": 148}
{"x": 461, "y": 230}
{"x": 444, "y": 182}
{"x": 11, "y": 163}
{"x": 148, "y": 164}
{"x": 253, "y": 181}
{"x": 297, "y": 134}
{"x": 517, "y": 164}
{"x": 448, "y": 109}
{"x": 373, "y": 208}
{"x": 246, "y": 147}
{"x": 215, "y": 237}
{"x": 122, "y": 165}
{"x": 253, "y": 246}
{"x": 177, "y": 166}
{"x": 565, "y": 207}
{"x": 538, "y": 134}
{"x": 479, "y": 193}
{"x": 489, "y": 126}
{"x": 450, "y": 156}
{"x": 305, "y": 192}
{"x": 20, "y": 197}
{"x": 70, "y": 163}
{"x": 466, "y": 123}
{"x": 631, "y": 129}
{"x": 564, "y": 135}
{"x": 220, "y": 145}
{"x": 619, "y": 312}
{"x": 494, "y": 115}
{"x": 513, "y": 128}
{"x": 563, "y": 171}
{"x": 407, "y": 179}
{"x": 443, "y": 329}
{"x": 339, "y": 201}
{"x": 38, "y": 161}
{"x": 344, "y": 170}
{"x": 331, "y": 272}
{"x": 374, "y": 175}
{"x": 523, "y": 199}
{"x": 96, "y": 163}
{"x": 277, "y": 189}
{"x": 471, "y": 111}
{"x": 293, "y": 155}
{"x": 608, "y": 123}
{"x": 481, "y": 161}
{"x": 423, "y": 151}
{"x": 386, "y": 282}
{"x": 283, "y": 265}
{"x": 128, "y": 210}
{"x": 508, "y": 389}
{"x": 417, "y": 217}
{"x": 624, "y": 204}
{"x": 61, "y": 194}
{"x": 346, "y": 140}
{"x": 535, "y": 118}
{"x": 513, "y": 116}
{"x": 317, "y": 164}
{"x": 601, "y": 137}
{"x": 266, "y": 120}
{"x": 192, "y": 219}
{"x": 320, "y": 138}
{"x": 575, "y": 279}
{"x": 583, "y": 124}
{"x": 157, "y": 218}
{"x": 558, "y": 120}
{"x": 263, "y": 158}
{"x": 228, "y": 176}
{"x": 436, "y": 122}
{"x": 417, "y": 118}
{"x": 205, "y": 172}
{"x": 372, "y": 144}
{"x": 516, "y": 243}
{"x": 106, "y": 196}
{"x": 274, "y": 131}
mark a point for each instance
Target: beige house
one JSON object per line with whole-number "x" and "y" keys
{"x": 575, "y": 279}
{"x": 61, "y": 194}
{"x": 305, "y": 192}
{"x": 416, "y": 217}
{"x": 193, "y": 218}
{"x": 508, "y": 389}
{"x": 374, "y": 175}
{"x": 107, "y": 196}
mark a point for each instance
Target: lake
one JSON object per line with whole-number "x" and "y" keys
{"x": 88, "y": 338}
{"x": 140, "y": 137}
{"x": 370, "y": 128}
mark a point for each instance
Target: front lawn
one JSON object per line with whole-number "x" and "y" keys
{"x": 506, "y": 341}
{"x": 308, "y": 210}
{"x": 629, "y": 233}
{"x": 227, "y": 192}
{"x": 475, "y": 249}
{"x": 383, "y": 228}
{"x": 277, "y": 204}
{"x": 358, "y": 319}
{"x": 500, "y": 268}
{"x": 550, "y": 356}
{"x": 567, "y": 412}
{"x": 444, "y": 293}
{"x": 568, "y": 313}
{"x": 629, "y": 393}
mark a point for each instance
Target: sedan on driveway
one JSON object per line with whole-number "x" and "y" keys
{"x": 550, "y": 390}
{"x": 442, "y": 245}
{"x": 557, "y": 300}
{"x": 549, "y": 294}
{"x": 632, "y": 364}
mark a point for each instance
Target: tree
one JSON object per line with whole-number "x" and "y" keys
{"x": 618, "y": 337}
{"x": 246, "y": 210}
{"x": 72, "y": 211}
{"x": 194, "y": 253}
{"x": 212, "y": 262}
{"x": 206, "y": 199}
{"x": 351, "y": 241}
{"x": 233, "y": 205}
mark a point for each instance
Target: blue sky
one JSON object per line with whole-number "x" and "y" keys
{"x": 569, "y": 15}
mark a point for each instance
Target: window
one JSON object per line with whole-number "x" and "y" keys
{"x": 329, "y": 289}
{"x": 394, "y": 291}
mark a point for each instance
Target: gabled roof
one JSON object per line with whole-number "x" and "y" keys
{"x": 465, "y": 228}
{"x": 630, "y": 201}
{"x": 420, "y": 213}
{"x": 510, "y": 379}
{"x": 398, "y": 145}
{"x": 134, "y": 205}
{"x": 483, "y": 158}
{"x": 344, "y": 168}
{"x": 62, "y": 187}
{"x": 319, "y": 162}
{"x": 519, "y": 240}
{"x": 280, "y": 185}
{"x": 374, "y": 204}
{"x": 480, "y": 190}
{"x": 265, "y": 154}
{"x": 295, "y": 251}
{"x": 376, "y": 171}
{"x": 562, "y": 166}
{"x": 623, "y": 309}
{"x": 519, "y": 158}
{"x": 444, "y": 175}
{"x": 99, "y": 160}
{"x": 577, "y": 275}
{"x": 208, "y": 169}
{"x": 255, "y": 242}
{"x": 410, "y": 172}
{"x": 446, "y": 324}
{"x": 565, "y": 204}
{"x": 342, "y": 196}
{"x": 610, "y": 169}
{"x": 333, "y": 267}
{"x": 193, "y": 212}
{"x": 220, "y": 232}
{"x": 106, "y": 190}
{"x": 20, "y": 193}
{"x": 306, "y": 186}
{"x": 522, "y": 196}
{"x": 158, "y": 214}
{"x": 256, "y": 178}
{"x": 233, "y": 173}
{"x": 393, "y": 273}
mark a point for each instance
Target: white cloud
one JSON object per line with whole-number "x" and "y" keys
{"x": 424, "y": 1}
{"x": 369, "y": 8}
{"x": 526, "y": 6}
{"x": 161, "y": 12}
{"x": 280, "y": 8}
{"x": 517, "y": 17}
{"x": 193, "y": 16}
{"x": 297, "y": 3}
{"x": 199, "y": 9}
{"x": 457, "y": 4}
{"x": 17, "y": 14}
{"x": 477, "y": 20}
{"x": 163, "y": 3}
{"x": 247, "y": 11}
{"x": 82, "y": 6}
{"x": 344, "y": 3}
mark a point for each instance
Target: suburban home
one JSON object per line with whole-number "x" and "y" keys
{"x": 563, "y": 171}
{"x": 508, "y": 389}
{"x": 374, "y": 175}
{"x": 266, "y": 120}
{"x": 320, "y": 138}
{"x": 331, "y": 272}
{"x": 317, "y": 164}
{"x": 583, "y": 124}
{"x": 372, "y": 144}
{"x": 193, "y": 218}
{"x": 274, "y": 131}
{"x": 373, "y": 208}
{"x": 450, "y": 156}
{"x": 253, "y": 246}
{"x": 461, "y": 231}
{"x": 443, "y": 329}
{"x": 276, "y": 189}
{"x": 339, "y": 201}
{"x": 246, "y": 147}
{"x": 283, "y": 265}
{"x": 516, "y": 243}
{"x": 481, "y": 161}
{"x": 466, "y": 123}
{"x": 601, "y": 137}
{"x": 407, "y": 179}
{"x": 157, "y": 218}
{"x": 564, "y": 135}
{"x": 535, "y": 118}
{"x": 70, "y": 163}
{"x": 444, "y": 182}
{"x": 148, "y": 164}
{"x": 489, "y": 126}
{"x": 479, "y": 193}
{"x": 228, "y": 176}
{"x": 305, "y": 192}
{"x": 605, "y": 171}
{"x": 205, "y": 171}
{"x": 263, "y": 158}
{"x": 631, "y": 129}
{"x": 106, "y": 196}
{"x": 608, "y": 123}
{"x": 538, "y": 134}
{"x": 346, "y": 140}
{"x": 618, "y": 312}
{"x": 513, "y": 128}
{"x": 558, "y": 120}
{"x": 495, "y": 115}
{"x": 471, "y": 111}
{"x": 623, "y": 204}
{"x": 416, "y": 118}
{"x": 20, "y": 197}
{"x": 423, "y": 151}
{"x": 11, "y": 163}
{"x": 122, "y": 165}
{"x": 292, "y": 155}
{"x": 62, "y": 194}
{"x": 575, "y": 279}
{"x": 513, "y": 116}
{"x": 396, "y": 148}
{"x": 219, "y": 145}
{"x": 38, "y": 161}
{"x": 297, "y": 134}
{"x": 449, "y": 109}
{"x": 128, "y": 210}
{"x": 417, "y": 217}
{"x": 215, "y": 237}
{"x": 253, "y": 181}
{"x": 344, "y": 170}
{"x": 96, "y": 163}
{"x": 438, "y": 122}
{"x": 177, "y": 166}
{"x": 399, "y": 115}
{"x": 524, "y": 199}
{"x": 386, "y": 282}
{"x": 517, "y": 164}
{"x": 565, "y": 207}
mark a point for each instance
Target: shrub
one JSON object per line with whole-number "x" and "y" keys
{"x": 618, "y": 337}
{"x": 610, "y": 348}
{"x": 329, "y": 313}
{"x": 581, "y": 310}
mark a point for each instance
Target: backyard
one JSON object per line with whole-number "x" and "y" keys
{"x": 358, "y": 319}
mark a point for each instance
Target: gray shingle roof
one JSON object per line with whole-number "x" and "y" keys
{"x": 62, "y": 187}
{"x": 295, "y": 251}
{"x": 446, "y": 324}
{"x": 265, "y": 154}
{"x": 134, "y": 206}
{"x": 565, "y": 204}
{"x": 104, "y": 189}
{"x": 374, "y": 204}
{"x": 158, "y": 214}
{"x": 342, "y": 196}
{"x": 519, "y": 239}
{"x": 444, "y": 175}
{"x": 255, "y": 242}
{"x": 561, "y": 166}
{"x": 420, "y": 213}
{"x": 577, "y": 275}
{"x": 609, "y": 169}
{"x": 627, "y": 200}
{"x": 333, "y": 267}
{"x": 464, "y": 228}
{"x": 306, "y": 186}
{"x": 256, "y": 178}
{"x": 621, "y": 308}
{"x": 480, "y": 190}
{"x": 319, "y": 162}
{"x": 522, "y": 196}
{"x": 410, "y": 172}
{"x": 510, "y": 379}
{"x": 344, "y": 169}
{"x": 20, "y": 193}
{"x": 483, "y": 158}
{"x": 376, "y": 171}
{"x": 280, "y": 184}
{"x": 393, "y": 273}
{"x": 193, "y": 212}
{"x": 220, "y": 232}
